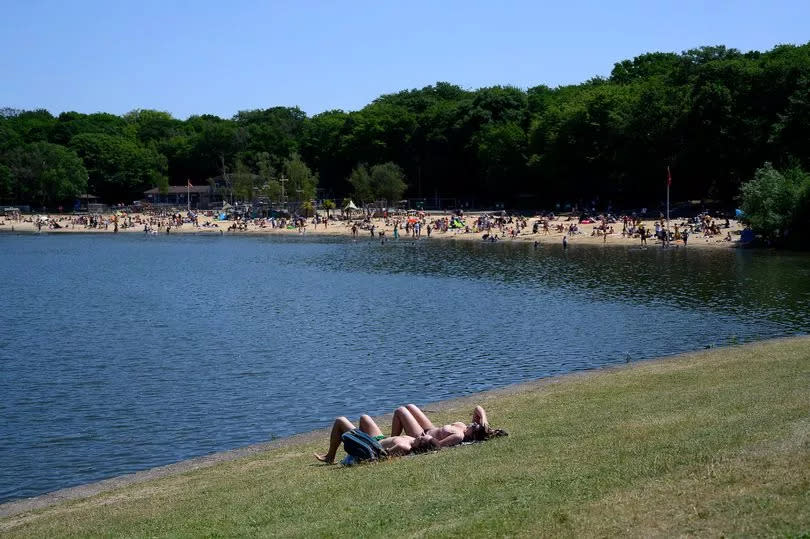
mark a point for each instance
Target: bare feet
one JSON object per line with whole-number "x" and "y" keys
{"x": 323, "y": 458}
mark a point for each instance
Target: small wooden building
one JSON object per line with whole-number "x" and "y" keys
{"x": 178, "y": 195}
{"x": 88, "y": 203}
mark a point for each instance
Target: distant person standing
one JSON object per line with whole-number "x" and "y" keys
{"x": 643, "y": 233}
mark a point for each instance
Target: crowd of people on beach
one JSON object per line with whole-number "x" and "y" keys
{"x": 399, "y": 224}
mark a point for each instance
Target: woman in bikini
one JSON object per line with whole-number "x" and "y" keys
{"x": 414, "y": 422}
{"x": 395, "y": 445}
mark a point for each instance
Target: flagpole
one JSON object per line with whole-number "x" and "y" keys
{"x": 188, "y": 196}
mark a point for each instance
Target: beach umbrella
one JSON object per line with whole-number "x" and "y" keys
{"x": 349, "y": 208}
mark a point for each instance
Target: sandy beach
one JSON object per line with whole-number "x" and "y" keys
{"x": 209, "y": 225}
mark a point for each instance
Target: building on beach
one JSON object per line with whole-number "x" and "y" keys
{"x": 201, "y": 196}
{"x": 89, "y": 203}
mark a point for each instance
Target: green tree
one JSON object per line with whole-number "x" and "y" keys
{"x": 269, "y": 185}
{"x": 119, "y": 168}
{"x": 265, "y": 166}
{"x": 360, "y": 180}
{"x": 33, "y": 125}
{"x": 212, "y": 142}
{"x": 70, "y": 124}
{"x": 645, "y": 67}
{"x": 380, "y": 132}
{"x": 772, "y": 200}
{"x": 791, "y": 132}
{"x": 45, "y": 173}
{"x": 276, "y": 130}
{"x": 243, "y": 182}
{"x": 328, "y": 204}
{"x": 7, "y": 184}
{"x": 307, "y": 208}
{"x": 502, "y": 152}
{"x": 153, "y": 125}
{"x": 302, "y": 183}
{"x": 388, "y": 182}
{"x": 323, "y": 148}
{"x": 9, "y": 138}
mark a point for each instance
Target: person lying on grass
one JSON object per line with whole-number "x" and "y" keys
{"x": 394, "y": 446}
{"x": 414, "y": 422}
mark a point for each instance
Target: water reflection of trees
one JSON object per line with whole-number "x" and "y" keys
{"x": 769, "y": 286}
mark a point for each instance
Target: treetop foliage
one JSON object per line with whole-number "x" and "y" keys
{"x": 712, "y": 114}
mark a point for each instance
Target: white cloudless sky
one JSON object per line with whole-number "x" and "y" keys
{"x": 213, "y": 57}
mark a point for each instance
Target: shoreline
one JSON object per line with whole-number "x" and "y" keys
{"x": 79, "y": 492}
{"x": 342, "y": 229}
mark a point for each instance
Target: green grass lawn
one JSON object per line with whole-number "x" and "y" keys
{"x": 712, "y": 443}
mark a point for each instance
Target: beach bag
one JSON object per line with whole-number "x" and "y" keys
{"x": 362, "y": 446}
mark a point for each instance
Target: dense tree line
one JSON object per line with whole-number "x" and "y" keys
{"x": 714, "y": 115}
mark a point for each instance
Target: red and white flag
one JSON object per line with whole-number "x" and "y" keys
{"x": 189, "y": 183}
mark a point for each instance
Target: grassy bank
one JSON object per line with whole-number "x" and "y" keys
{"x": 713, "y": 443}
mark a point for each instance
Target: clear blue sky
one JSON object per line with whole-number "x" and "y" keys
{"x": 219, "y": 57}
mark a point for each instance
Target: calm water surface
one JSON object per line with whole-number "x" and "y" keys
{"x": 123, "y": 353}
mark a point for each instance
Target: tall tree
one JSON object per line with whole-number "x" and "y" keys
{"x": 44, "y": 173}
{"x": 302, "y": 183}
{"x": 388, "y": 182}
{"x": 322, "y": 147}
{"x": 244, "y": 182}
{"x": 153, "y": 125}
{"x": 360, "y": 180}
{"x": 773, "y": 200}
{"x": 119, "y": 169}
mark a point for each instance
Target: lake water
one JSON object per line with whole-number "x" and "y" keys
{"x": 121, "y": 353}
